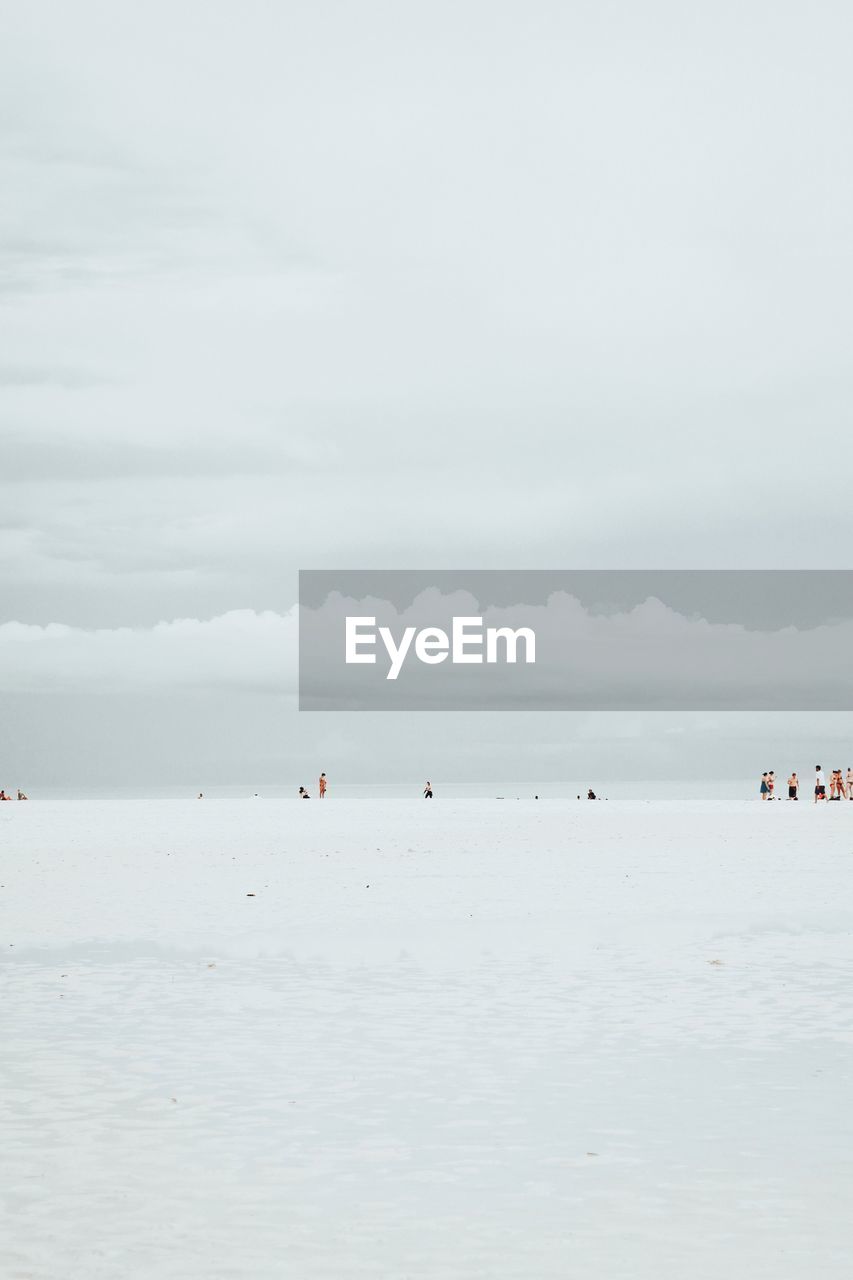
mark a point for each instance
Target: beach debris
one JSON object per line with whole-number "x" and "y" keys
{"x": 250, "y": 895}
{"x": 715, "y": 962}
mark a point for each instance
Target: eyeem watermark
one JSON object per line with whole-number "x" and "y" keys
{"x": 468, "y": 642}
{"x": 576, "y": 640}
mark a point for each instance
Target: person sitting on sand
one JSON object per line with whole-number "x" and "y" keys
{"x": 322, "y": 785}
{"x": 793, "y": 787}
{"x": 21, "y": 795}
{"x": 303, "y": 794}
{"x": 3, "y": 795}
{"x": 590, "y": 795}
{"x": 819, "y": 784}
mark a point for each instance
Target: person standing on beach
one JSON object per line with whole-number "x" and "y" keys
{"x": 771, "y": 784}
{"x": 322, "y": 785}
{"x": 764, "y": 786}
{"x": 819, "y": 784}
{"x": 850, "y": 782}
{"x": 428, "y": 791}
{"x": 793, "y": 787}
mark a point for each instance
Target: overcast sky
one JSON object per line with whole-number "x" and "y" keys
{"x": 404, "y": 285}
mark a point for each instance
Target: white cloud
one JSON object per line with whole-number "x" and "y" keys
{"x": 644, "y": 657}
{"x": 241, "y": 649}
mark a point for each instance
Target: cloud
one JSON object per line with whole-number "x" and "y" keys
{"x": 370, "y": 285}
{"x": 648, "y": 657}
{"x": 237, "y": 650}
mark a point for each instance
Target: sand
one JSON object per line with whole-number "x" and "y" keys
{"x": 467, "y": 1039}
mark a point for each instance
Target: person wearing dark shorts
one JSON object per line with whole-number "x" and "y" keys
{"x": 819, "y": 784}
{"x": 793, "y": 787}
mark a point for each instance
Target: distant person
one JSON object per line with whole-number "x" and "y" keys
{"x": 590, "y": 795}
{"x": 200, "y": 795}
{"x": 21, "y": 795}
{"x": 3, "y": 795}
{"x": 819, "y": 784}
{"x": 771, "y": 785}
{"x": 322, "y": 785}
{"x": 428, "y": 791}
{"x": 303, "y": 794}
{"x": 842, "y": 789}
{"x": 849, "y": 783}
{"x": 764, "y": 787}
{"x": 793, "y": 787}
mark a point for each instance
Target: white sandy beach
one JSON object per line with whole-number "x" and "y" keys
{"x": 467, "y": 1039}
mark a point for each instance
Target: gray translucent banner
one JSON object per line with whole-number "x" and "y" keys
{"x": 390, "y": 640}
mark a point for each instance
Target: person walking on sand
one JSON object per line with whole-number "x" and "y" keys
{"x": 793, "y": 787}
{"x": 428, "y": 791}
{"x": 322, "y": 785}
{"x": 819, "y": 784}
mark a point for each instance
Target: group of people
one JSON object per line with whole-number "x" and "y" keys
{"x": 21, "y": 795}
{"x": 839, "y": 788}
{"x": 304, "y": 793}
{"x": 321, "y": 788}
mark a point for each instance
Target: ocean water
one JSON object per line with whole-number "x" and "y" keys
{"x": 632, "y": 790}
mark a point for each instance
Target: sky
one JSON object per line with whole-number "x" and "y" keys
{"x": 402, "y": 286}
